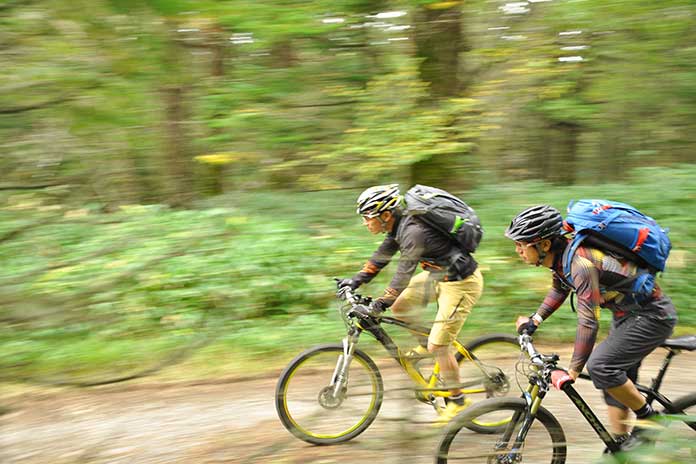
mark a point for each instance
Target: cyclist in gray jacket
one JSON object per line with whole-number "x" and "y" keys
{"x": 456, "y": 283}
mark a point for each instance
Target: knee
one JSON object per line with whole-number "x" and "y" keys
{"x": 598, "y": 371}
{"x": 592, "y": 366}
{"x": 403, "y": 308}
{"x": 437, "y": 350}
{"x": 604, "y": 374}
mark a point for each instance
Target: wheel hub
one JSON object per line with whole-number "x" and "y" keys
{"x": 327, "y": 400}
{"x": 509, "y": 458}
{"x": 497, "y": 384}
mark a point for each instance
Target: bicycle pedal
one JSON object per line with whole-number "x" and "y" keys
{"x": 423, "y": 398}
{"x": 417, "y": 353}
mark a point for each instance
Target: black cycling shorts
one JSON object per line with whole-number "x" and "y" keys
{"x": 630, "y": 340}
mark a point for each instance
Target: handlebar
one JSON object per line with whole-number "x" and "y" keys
{"x": 538, "y": 359}
{"x": 355, "y": 301}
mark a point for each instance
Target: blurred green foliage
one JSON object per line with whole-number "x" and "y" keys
{"x": 672, "y": 444}
{"x": 115, "y": 100}
{"x": 87, "y": 292}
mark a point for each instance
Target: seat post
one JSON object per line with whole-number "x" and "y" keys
{"x": 657, "y": 381}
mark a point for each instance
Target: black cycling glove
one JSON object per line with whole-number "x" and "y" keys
{"x": 350, "y": 283}
{"x": 529, "y": 327}
{"x": 379, "y": 305}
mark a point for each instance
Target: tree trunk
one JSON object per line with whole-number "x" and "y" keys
{"x": 177, "y": 155}
{"x": 439, "y": 41}
{"x": 563, "y": 149}
{"x": 213, "y": 176}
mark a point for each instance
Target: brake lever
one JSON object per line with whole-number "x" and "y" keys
{"x": 342, "y": 293}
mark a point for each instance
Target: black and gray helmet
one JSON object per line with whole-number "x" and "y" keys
{"x": 535, "y": 223}
{"x": 378, "y": 199}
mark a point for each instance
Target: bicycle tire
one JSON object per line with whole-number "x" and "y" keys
{"x": 500, "y": 351}
{"x": 498, "y": 354}
{"x": 684, "y": 403}
{"x": 364, "y": 394}
{"x": 545, "y": 428}
{"x": 681, "y": 433}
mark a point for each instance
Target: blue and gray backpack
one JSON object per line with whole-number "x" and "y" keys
{"x": 622, "y": 230}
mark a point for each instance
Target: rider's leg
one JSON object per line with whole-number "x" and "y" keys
{"x": 614, "y": 362}
{"x": 619, "y": 414}
{"x": 618, "y": 420}
{"x": 628, "y": 395}
{"x": 413, "y": 299}
{"x": 455, "y": 301}
{"x": 449, "y": 369}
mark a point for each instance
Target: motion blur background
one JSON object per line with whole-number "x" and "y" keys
{"x": 179, "y": 177}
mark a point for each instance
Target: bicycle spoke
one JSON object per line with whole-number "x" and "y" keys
{"x": 543, "y": 443}
{"x": 318, "y": 412}
{"x": 493, "y": 367}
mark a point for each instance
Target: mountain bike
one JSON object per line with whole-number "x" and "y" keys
{"x": 332, "y": 393}
{"x": 533, "y": 434}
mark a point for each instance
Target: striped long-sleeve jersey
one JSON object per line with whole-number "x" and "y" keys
{"x": 594, "y": 274}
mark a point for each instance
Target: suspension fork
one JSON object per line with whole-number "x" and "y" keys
{"x": 339, "y": 379}
{"x": 532, "y": 396}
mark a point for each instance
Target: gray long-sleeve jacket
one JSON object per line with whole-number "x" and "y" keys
{"x": 417, "y": 243}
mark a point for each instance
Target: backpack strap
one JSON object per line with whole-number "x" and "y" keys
{"x": 609, "y": 220}
{"x": 630, "y": 287}
{"x": 568, "y": 255}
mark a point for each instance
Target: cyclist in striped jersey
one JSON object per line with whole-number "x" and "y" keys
{"x": 638, "y": 326}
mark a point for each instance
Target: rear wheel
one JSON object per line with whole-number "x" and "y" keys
{"x": 493, "y": 362}
{"x": 544, "y": 443}
{"x": 488, "y": 365}
{"x": 311, "y": 409}
{"x": 680, "y": 434}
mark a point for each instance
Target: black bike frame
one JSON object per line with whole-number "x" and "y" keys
{"x": 591, "y": 417}
{"x": 651, "y": 394}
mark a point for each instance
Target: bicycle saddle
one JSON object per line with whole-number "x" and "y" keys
{"x": 687, "y": 342}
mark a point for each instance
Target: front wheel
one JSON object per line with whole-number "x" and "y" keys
{"x": 544, "y": 442}
{"x": 311, "y": 408}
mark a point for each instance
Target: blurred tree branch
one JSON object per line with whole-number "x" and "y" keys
{"x": 15, "y": 4}
{"x": 30, "y": 187}
{"x": 27, "y": 227}
{"x": 37, "y": 106}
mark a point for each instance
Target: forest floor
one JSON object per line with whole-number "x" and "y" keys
{"x": 235, "y": 421}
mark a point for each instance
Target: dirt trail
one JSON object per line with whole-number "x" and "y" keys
{"x": 235, "y": 422}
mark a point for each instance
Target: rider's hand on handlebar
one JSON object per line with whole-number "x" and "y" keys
{"x": 350, "y": 283}
{"x": 379, "y": 305}
{"x": 364, "y": 311}
{"x": 525, "y": 325}
{"x": 345, "y": 285}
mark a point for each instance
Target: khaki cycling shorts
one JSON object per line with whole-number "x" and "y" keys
{"x": 454, "y": 302}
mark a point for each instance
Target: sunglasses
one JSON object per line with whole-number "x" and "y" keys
{"x": 525, "y": 245}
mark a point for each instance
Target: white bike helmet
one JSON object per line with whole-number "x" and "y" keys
{"x": 378, "y": 199}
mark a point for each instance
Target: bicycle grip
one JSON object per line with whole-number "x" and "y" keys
{"x": 560, "y": 378}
